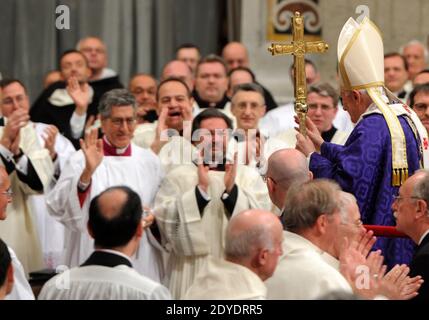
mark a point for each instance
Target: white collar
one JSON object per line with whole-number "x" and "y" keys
{"x": 423, "y": 236}
{"x": 117, "y": 253}
{"x": 61, "y": 98}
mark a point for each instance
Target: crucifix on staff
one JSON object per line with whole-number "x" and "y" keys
{"x": 298, "y": 48}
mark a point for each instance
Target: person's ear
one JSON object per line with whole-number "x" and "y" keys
{"x": 140, "y": 229}
{"x": 9, "y": 279}
{"x": 356, "y": 95}
{"x": 261, "y": 258}
{"x": 264, "y": 109}
{"x": 270, "y": 186}
{"x": 310, "y": 175}
{"x": 421, "y": 209}
{"x": 321, "y": 223}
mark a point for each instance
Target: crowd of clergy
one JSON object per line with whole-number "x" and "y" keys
{"x": 198, "y": 186}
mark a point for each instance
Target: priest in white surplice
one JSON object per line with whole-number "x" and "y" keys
{"x": 253, "y": 146}
{"x": 196, "y": 200}
{"x": 21, "y": 288}
{"x": 311, "y": 215}
{"x": 102, "y": 163}
{"x": 30, "y": 170}
{"x": 253, "y": 245}
{"x": 116, "y": 223}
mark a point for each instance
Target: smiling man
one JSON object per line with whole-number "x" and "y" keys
{"x": 101, "y": 163}
{"x": 196, "y": 200}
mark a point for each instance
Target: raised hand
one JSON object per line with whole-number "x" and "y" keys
{"x": 161, "y": 137}
{"x": 230, "y": 173}
{"x": 50, "y": 135}
{"x": 313, "y": 134}
{"x": 405, "y": 288}
{"x": 92, "y": 148}
{"x": 10, "y": 137}
{"x": 304, "y": 144}
{"x": 365, "y": 242}
{"x": 79, "y": 94}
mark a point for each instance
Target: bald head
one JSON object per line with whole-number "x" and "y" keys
{"x": 285, "y": 167}
{"x": 251, "y": 220}
{"x": 179, "y": 69}
{"x": 254, "y": 240}
{"x": 111, "y": 203}
{"x": 115, "y": 217}
{"x": 235, "y": 55}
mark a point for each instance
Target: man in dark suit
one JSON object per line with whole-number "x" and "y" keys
{"x": 411, "y": 210}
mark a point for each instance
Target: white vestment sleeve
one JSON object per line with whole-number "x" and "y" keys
{"x": 63, "y": 201}
{"x": 179, "y": 219}
{"x": 252, "y": 192}
{"x": 39, "y": 157}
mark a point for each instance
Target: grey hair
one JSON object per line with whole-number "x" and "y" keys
{"x": 421, "y": 188}
{"x": 345, "y": 199}
{"x": 248, "y": 87}
{"x": 117, "y": 98}
{"x": 241, "y": 245}
{"x": 414, "y": 42}
{"x": 306, "y": 202}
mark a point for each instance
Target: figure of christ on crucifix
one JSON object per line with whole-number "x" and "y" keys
{"x": 298, "y": 48}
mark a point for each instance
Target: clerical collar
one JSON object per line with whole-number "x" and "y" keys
{"x": 423, "y": 236}
{"x": 328, "y": 135}
{"x": 214, "y": 166}
{"x": 110, "y": 150}
{"x": 107, "y": 258}
{"x": 402, "y": 94}
{"x": 204, "y": 104}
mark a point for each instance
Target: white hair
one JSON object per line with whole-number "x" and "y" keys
{"x": 421, "y": 188}
{"x": 412, "y": 43}
{"x": 344, "y": 201}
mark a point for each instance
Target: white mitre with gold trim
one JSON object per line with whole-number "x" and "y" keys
{"x": 361, "y": 66}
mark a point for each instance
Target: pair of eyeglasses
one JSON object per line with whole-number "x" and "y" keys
{"x": 119, "y": 121}
{"x": 8, "y": 193}
{"x": 357, "y": 223}
{"x": 399, "y": 198}
{"x": 420, "y": 107}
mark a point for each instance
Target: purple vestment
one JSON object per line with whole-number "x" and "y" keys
{"x": 363, "y": 167}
